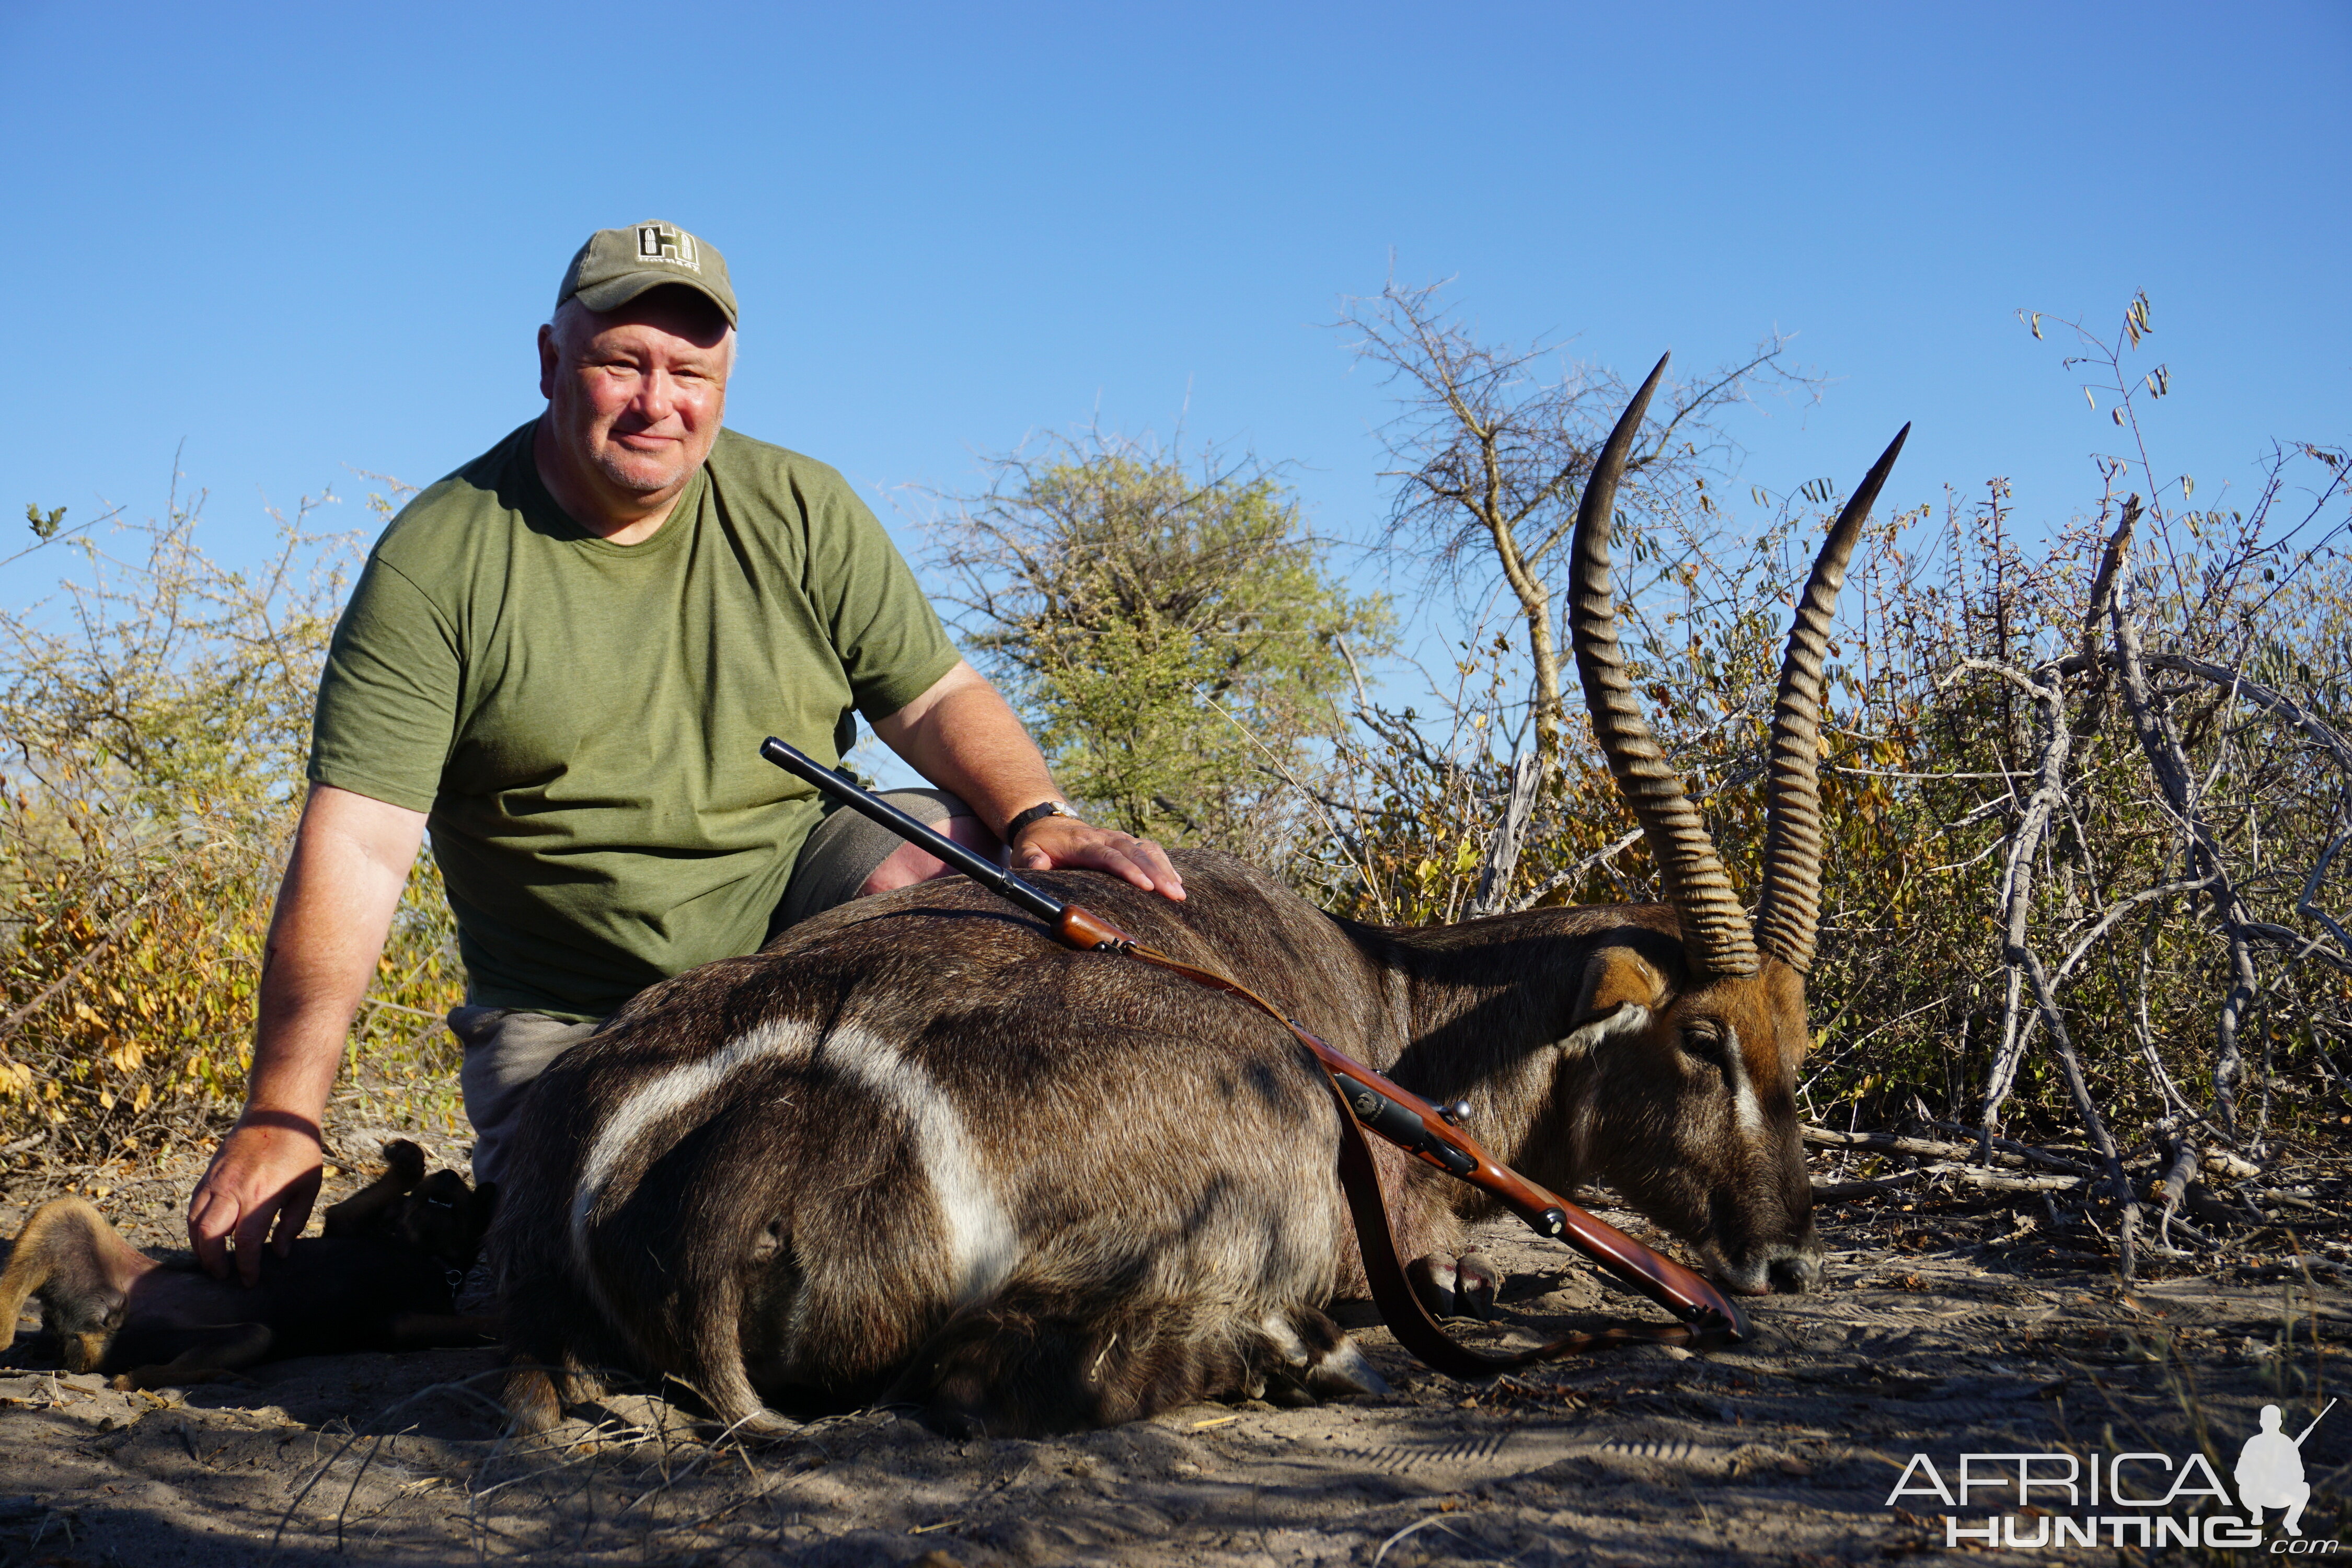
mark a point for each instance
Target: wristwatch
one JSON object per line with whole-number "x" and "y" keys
{"x": 1037, "y": 812}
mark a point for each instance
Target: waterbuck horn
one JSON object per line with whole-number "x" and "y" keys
{"x": 1716, "y": 936}
{"x": 1790, "y": 909}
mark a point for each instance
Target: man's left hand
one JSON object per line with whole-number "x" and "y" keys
{"x": 963, "y": 737}
{"x": 1063, "y": 842}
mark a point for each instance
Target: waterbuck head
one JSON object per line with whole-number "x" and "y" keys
{"x": 1703, "y": 1135}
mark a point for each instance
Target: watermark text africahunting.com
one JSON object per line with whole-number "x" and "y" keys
{"x": 2024, "y": 1501}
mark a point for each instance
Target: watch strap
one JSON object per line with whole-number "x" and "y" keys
{"x": 1037, "y": 812}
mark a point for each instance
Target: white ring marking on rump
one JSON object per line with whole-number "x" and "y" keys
{"x": 983, "y": 1246}
{"x": 981, "y": 1243}
{"x": 648, "y": 1103}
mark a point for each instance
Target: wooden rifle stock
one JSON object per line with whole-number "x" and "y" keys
{"x": 1370, "y": 1102}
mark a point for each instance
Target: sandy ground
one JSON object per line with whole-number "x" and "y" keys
{"x": 1943, "y": 1329}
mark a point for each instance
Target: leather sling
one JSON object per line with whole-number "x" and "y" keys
{"x": 1400, "y": 1306}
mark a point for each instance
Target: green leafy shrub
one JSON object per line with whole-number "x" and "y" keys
{"x": 1171, "y": 632}
{"x": 156, "y": 710}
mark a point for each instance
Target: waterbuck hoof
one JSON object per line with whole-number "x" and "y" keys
{"x": 1343, "y": 1372}
{"x": 1456, "y": 1286}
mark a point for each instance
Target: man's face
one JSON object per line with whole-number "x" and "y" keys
{"x": 634, "y": 397}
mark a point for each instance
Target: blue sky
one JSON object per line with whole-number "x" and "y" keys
{"x": 301, "y": 237}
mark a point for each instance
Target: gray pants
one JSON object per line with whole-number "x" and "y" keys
{"x": 507, "y": 1048}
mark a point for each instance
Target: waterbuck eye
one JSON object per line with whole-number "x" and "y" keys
{"x": 1704, "y": 1041}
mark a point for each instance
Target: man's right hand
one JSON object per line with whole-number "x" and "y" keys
{"x": 351, "y": 857}
{"x": 268, "y": 1170}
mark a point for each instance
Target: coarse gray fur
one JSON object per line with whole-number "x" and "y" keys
{"x": 916, "y": 1150}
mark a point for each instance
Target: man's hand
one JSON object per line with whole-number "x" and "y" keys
{"x": 266, "y": 1169}
{"x": 960, "y": 735}
{"x": 1052, "y": 842}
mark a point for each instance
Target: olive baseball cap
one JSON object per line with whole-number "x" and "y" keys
{"x": 617, "y": 265}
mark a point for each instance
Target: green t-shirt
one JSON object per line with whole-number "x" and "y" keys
{"x": 583, "y": 719}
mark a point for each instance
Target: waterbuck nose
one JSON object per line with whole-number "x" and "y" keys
{"x": 1793, "y": 1274}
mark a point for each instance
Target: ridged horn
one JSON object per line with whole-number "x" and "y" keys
{"x": 1788, "y": 912}
{"x": 1716, "y": 936}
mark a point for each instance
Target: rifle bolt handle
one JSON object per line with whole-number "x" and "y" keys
{"x": 1457, "y": 1113}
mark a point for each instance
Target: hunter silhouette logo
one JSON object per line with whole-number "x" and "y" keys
{"x": 2144, "y": 1498}
{"x": 659, "y": 242}
{"x": 2270, "y": 1471}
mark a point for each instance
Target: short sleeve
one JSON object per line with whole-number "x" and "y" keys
{"x": 388, "y": 698}
{"x": 890, "y": 640}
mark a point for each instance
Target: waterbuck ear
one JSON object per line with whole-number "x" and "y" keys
{"x": 1620, "y": 991}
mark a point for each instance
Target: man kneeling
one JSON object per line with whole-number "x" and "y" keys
{"x": 561, "y": 659}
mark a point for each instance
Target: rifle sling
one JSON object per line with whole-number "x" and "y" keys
{"x": 1400, "y": 1305}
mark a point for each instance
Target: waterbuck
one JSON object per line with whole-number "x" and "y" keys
{"x": 914, "y": 1150}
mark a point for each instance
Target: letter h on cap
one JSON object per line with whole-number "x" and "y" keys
{"x": 659, "y": 242}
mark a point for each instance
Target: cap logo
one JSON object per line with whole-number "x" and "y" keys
{"x": 659, "y": 242}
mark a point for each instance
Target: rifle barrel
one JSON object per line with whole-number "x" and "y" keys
{"x": 979, "y": 868}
